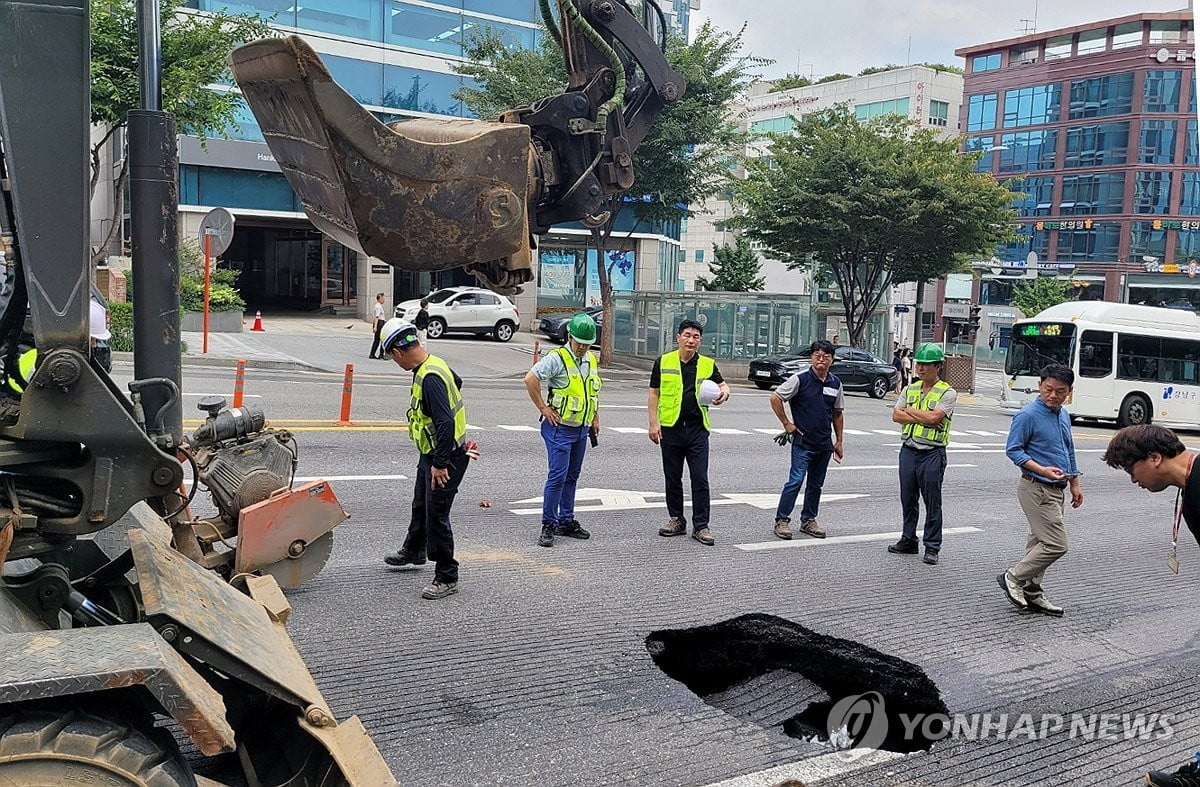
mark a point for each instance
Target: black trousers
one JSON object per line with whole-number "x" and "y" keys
{"x": 686, "y": 443}
{"x": 375, "y": 351}
{"x": 921, "y": 474}
{"x": 429, "y": 530}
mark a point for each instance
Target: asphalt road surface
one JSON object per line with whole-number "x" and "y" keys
{"x": 537, "y": 671}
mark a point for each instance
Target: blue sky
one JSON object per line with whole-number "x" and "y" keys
{"x": 844, "y": 36}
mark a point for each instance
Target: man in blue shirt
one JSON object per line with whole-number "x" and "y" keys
{"x": 816, "y": 404}
{"x": 1040, "y": 443}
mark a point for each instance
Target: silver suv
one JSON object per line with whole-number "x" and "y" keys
{"x": 465, "y": 310}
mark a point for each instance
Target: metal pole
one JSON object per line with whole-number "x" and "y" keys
{"x": 154, "y": 207}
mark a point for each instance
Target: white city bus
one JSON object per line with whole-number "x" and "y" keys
{"x": 1132, "y": 364}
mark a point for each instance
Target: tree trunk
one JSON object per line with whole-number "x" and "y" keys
{"x": 918, "y": 315}
{"x": 600, "y": 238}
{"x": 118, "y": 210}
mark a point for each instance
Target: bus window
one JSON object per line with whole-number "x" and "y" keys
{"x": 1180, "y": 361}
{"x": 1138, "y": 357}
{"x": 1096, "y": 354}
{"x": 1035, "y": 345}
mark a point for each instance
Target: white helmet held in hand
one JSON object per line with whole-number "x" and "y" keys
{"x": 708, "y": 392}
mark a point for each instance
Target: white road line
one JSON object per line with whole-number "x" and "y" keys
{"x": 730, "y": 431}
{"x": 888, "y": 432}
{"x": 813, "y": 769}
{"x": 517, "y": 427}
{"x": 983, "y": 433}
{"x": 304, "y": 479}
{"x": 248, "y": 396}
{"x": 969, "y": 415}
{"x": 879, "y": 467}
{"x": 780, "y": 429}
{"x": 855, "y": 539}
{"x": 628, "y": 429}
{"x": 856, "y": 431}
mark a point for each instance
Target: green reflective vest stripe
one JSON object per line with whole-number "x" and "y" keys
{"x": 920, "y": 433}
{"x": 576, "y": 404}
{"x": 420, "y": 425}
{"x": 670, "y": 386}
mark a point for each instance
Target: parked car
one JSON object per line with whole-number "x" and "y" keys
{"x": 465, "y": 310}
{"x": 555, "y": 325}
{"x": 98, "y": 319}
{"x": 857, "y": 369}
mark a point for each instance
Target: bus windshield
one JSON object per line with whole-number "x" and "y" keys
{"x": 1035, "y": 345}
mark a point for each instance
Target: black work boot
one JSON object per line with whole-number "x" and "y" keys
{"x": 904, "y": 547}
{"x": 572, "y": 529}
{"x": 403, "y": 558}
{"x": 546, "y": 539}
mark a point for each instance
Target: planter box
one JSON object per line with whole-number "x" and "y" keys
{"x": 218, "y": 322}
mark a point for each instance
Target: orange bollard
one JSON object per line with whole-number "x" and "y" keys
{"x": 347, "y": 387}
{"x": 239, "y": 383}
{"x": 258, "y": 323}
{"x": 537, "y": 350}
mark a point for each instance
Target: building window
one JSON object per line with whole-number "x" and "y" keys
{"x": 896, "y": 106}
{"x": 1145, "y": 241}
{"x": 1101, "y": 96}
{"x": 1032, "y": 106}
{"x": 350, "y": 18}
{"x": 1027, "y": 239}
{"x": 425, "y": 29}
{"x": 699, "y": 256}
{"x": 1092, "y": 41}
{"x": 1189, "y": 203}
{"x": 359, "y": 78}
{"x": 236, "y": 188}
{"x": 1191, "y": 153}
{"x": 996, "y": 292}
{"x": 987, "y": 146}
{"x": 1187, "y": 245}
{"x": 1099, "y": 244}
{"x": 1019, "y": 57}
{"x": 1089, "y": 195}
{"x": 1128, "y": 35}
{"x": 784, "y": 125}
{"x": 939, "y": 113}
{"x": 1161, "y": 91}
{"x": 1059, "y": 47}
{"x": 1027, "y": 150}
{"x": 981, "y": 112}
{"x": 1096, "y": 146}
{"x": 1152, "y": 192}
{"x": 1166, "y": 32}
{"x": 1034, "y": 195}
{"x": 521, "y": 10}
{"x": 1157, "y": 145}
{"x": 981, "y": 63}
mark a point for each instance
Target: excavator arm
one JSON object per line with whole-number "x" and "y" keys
{"x": 431, "y": 194}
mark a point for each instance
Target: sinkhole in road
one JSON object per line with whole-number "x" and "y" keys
{"x": 773, "y": 672}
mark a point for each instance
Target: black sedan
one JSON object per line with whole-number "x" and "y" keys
{"x": 857, "y": 369}
{"x": 555, "y": 325}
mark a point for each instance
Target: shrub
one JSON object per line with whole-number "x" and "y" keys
{"x": 120, "y": 324}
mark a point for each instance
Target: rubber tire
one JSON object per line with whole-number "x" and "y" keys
{"x": 764, "y": 386}
{"x": 437, "y": 327}
{"x": 1129, "y": 409}
{"x": 504, "y": 331}
{"x": 879, "y": 388}
{"x": 50, "y": 748}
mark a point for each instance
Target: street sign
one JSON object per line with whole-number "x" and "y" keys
{"x": 217, "y": 226}
{"x": 956, "y": 311}
{"x": 902, "y": 309}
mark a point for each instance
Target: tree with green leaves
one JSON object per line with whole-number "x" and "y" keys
{"x": 789, "y": 82}
{"x": 195, "y": 49}
{"x": 685, "y": 158}
{"x": 869, "y": 205}
{"x": 735, "y": 269}
{"x": 1036, "y": 295}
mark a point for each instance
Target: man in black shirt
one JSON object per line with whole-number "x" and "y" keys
{"x": 1155, "y": 459}
{"x": 679, "y": 425}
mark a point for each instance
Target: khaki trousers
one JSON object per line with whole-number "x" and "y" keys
{"x": 1047, "y": 542}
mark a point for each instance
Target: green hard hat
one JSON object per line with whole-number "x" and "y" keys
{"x": 582, "y": 328}
{"x": 930, "y": 353}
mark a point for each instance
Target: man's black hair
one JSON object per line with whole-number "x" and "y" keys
{"x": 1059, "y": 372}
{"x": 685, "y": 324}
{"x": 1135, "y": 443}
{"x": 821, "y": 346}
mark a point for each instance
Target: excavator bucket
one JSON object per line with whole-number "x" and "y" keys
{"x": 419, "y": 194}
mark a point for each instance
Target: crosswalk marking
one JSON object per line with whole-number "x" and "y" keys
{"x": 984, "y": 433}
{"x": 854, "y": 539}
{"x": 856, "y": 431}
{"x": 775, "y": 431}
{"x": 628, "y": 429}
{"x": 888, "y": 432}
{"x": 517, "y": 428}
{"x": 730, "y": 431}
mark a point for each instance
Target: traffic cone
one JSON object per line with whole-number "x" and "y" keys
{"x": 258, "y": 323}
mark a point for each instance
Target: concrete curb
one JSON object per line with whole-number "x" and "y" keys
{"x": 231, "y": 363}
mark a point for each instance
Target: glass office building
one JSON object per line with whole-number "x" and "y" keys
{"x": 1095, "y": 127}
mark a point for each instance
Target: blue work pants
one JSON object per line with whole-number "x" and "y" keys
{"x": 814, "y": 464}
{"x": 565, "y": 446}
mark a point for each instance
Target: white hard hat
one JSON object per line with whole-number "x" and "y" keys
{"x": 708, "y": 392}
{"x": 397, "y": 333}
{"x": 98, "y": 322}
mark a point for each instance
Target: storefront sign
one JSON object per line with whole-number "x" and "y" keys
{"x": 1080, "y": 224}
{"x": 1179, "y": 55}
{"x": 1175, "y": 224}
